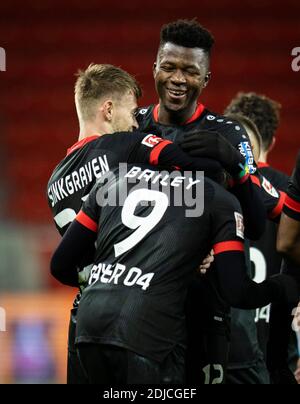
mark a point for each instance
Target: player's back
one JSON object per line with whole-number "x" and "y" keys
{"x": 146, "y": 256}
{"x": 86, "y": 162}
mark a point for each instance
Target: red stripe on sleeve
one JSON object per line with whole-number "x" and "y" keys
{"x": 155, "y": 153}
{"x": 86, "y": 221}
{"x": 228, "y": 246}
{"x": 278, "y": 208}
{"x": 292, "y": 204}
{"x": 255, "y": 180}
{"x": 155, "y": 113}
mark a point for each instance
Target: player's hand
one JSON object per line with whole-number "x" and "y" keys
{"x": 214, "y": 145}
{"x": 296, "y": 320}
{"x": 206, "y": 263}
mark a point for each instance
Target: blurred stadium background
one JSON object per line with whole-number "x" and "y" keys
{"x": 46, "y": 42}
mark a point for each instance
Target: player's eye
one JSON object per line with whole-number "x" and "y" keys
{"x": 192, "y": 72}
{"x": 167, "y": 68}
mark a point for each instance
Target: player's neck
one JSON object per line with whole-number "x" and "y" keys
{"x": 167, "y": 117}
{"x": 263, "y": 157}
{"x": 88, "y": 129}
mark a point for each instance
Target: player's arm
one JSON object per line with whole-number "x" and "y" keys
{"x": 272, "y": 198}
{"x": 145, "y": 148}
{"x": 214, "y": 145}
{"x": 66, "y": 258}
{"x": 79, "y": 238}
{"x": 288, "y": 238}
{"x": 235, "y": 285}
{"x": 240, "y": 291}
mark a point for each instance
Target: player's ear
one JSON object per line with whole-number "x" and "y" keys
{"x": 107, "y": 109}
{"x": 206, "y": 79}
{"x": 154, "y": 69}
{"x": 272, "y": 144}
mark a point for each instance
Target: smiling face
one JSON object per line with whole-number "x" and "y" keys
{"x": 180, "y": 75}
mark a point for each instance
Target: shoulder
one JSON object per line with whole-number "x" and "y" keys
{"x": 225, "y": 126}
{"x": 277, "y": 178}
{"x": 144, "y": 113}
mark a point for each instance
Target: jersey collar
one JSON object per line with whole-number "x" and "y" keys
{"x": 199, "y": 110}
{"x": 262, "y": 165}
{"x": 81, "y": 143}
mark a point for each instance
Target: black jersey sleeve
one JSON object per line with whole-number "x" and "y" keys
{"x": 78, "y": 239}
{"x": 292, "y": 201}
{"x": 253, "y": 209}
{"x": 235, "y": 285}
{"x": 151, "y": 149}
{"x": 66, "y": 258}
{"x": 272, "y": 198}
{"x": 227, "y": 222}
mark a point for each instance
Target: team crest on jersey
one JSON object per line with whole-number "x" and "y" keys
{"x": 151, "y": 140}
{"x": 269, "y": 188}
{"x": 246, "y": 151}
{"x": 239, "y": 220}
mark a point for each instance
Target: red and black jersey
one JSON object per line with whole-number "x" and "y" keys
{"x": 89, "y": 160}
{"x": 146, "y": 256}
{"x": 203, "y": 119}
{"x": 292, "y": 202}
{"x": 243, "y": 322}
{"x": 265, "y": 259}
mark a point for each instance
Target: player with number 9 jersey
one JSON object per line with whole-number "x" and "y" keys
{"x": 147, "y": 250}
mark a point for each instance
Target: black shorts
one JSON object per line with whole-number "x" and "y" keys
{"x": 257, "y": 374}
{"x": 75, "y": 373}
{"x": 109, "y": 364}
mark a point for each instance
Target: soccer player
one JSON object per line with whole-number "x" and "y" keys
{"x": 265, "y": 113}
{"x": 288, "y": 241}
{"x": 131, "y": 323}
{"x": 106, "y": 102}
{"x": 181, "y": 72}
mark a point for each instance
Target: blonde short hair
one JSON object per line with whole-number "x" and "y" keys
{"x": 100, "y": 80}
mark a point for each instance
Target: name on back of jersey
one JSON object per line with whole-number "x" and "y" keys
{"x": 78, "y": 179}
{"x": 119, "y": 274}
{"x": 164, "y": 179}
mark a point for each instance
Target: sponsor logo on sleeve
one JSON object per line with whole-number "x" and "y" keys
{"x": 239, "y": 220}
{"x": 246, "y": 151}
{"x": 151, "y": 140}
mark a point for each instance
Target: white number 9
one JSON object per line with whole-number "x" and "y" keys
{"x": 142, "y": 225}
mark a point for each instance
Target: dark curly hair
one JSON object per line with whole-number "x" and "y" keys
{"x": 263, "y": 111}
{"x": 187, "y": 33}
